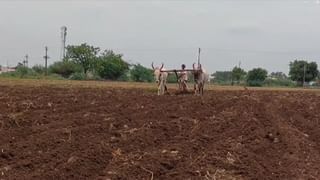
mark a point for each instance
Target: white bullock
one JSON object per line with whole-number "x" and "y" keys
{"x": 160, "y": 78}
{"x": 200, "y": 78}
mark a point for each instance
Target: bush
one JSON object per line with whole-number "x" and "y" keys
{"x": 124, "y": 77}
{"x": 141, "y": 74}
{"x": 22, "y": 71}
{"x": 65, "y": 68}
{"x": 83, "y": 76}
{"x": 54, "y": 76}
{"x": 9, "y": 74}
{"x": 222, "y": 77}
{"x": 27, "y": 73}
{"x": 78, "y": 76}
{"x": 93, "y": 76}
{"x": 39, "y": 69}
{"x": 255, "y": 83}
{"x": 279, "y": 82}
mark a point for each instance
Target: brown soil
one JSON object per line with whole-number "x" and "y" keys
{"x": 83, "y": 133}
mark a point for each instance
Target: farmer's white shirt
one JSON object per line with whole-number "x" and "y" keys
{"x": 184, "y": 75}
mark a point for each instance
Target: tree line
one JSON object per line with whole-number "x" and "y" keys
{"x": 86, "y": 62}
{"x": 300, "y": 72}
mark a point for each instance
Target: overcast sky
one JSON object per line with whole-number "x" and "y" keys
{"x": 259, "y": 33}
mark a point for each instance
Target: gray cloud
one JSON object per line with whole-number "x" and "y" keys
{"x": 257, "y": 32}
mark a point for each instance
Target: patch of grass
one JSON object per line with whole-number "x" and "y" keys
{"x": 152, "y": 87}
{"x": 14, "y": 75}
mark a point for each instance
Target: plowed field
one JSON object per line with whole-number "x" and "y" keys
{"x": 49, "y": 132}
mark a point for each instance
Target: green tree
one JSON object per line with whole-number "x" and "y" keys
{"x": 278, "y": 75}
{"x": 238, "y": 74}
{"x": 256, "y": 77}
{"x": 84, "y": 54}
{"x": 65, "y": 68}
{"x": 141, "y": 74}
{"x": 39, "y": 69}
{"x": 222, "y": 77}
{"x": 302, "y": 69}
{"x": 111, "y": 66}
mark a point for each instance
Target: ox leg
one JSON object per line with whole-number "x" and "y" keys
{"x": 202, "y": 86}
{"x": 159, "y": 89}
{"x": 162, "y": 88}
{"x": 186, "y": 86}
{"x": 198, "y": 89}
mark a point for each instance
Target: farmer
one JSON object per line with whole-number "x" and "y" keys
{"x": 183, "y": 79}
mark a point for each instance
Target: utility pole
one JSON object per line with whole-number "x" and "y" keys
{"x": 239, "y": 64}
{"x": 46, "y": 57}
{"x": 63, "y": 42}
{"x": 304, "y": 75}
{"x": 25, "y": 61}
{"x": 199, "y": 57}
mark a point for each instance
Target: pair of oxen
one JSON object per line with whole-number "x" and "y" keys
{"x": 199, "y": 74}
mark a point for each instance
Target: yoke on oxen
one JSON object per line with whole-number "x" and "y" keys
{"x": 199, "y": 76}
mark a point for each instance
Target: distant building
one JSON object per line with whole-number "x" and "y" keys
{"x": 7, "y": 69}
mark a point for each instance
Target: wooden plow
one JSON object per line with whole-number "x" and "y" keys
{"x": 179, "y": 70}
{"x": 196, "y": 71}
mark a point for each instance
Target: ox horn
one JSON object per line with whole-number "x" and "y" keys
{"x": 200, "y": 68}
{"x": 161, "y": 66}
{"x": 152, "y": 66}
